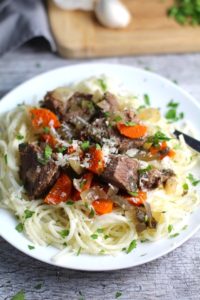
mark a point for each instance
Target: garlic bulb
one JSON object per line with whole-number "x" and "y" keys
{"x": 75, "y": 4}
{"x": 112, "y": 13}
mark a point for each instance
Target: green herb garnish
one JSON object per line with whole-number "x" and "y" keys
{"x": 118, "y": 294}
{"x": 6, "y": 159}
{"x": 70, "y": 202}
{"x": 91, "y": 214}
{"x": 19, "y": 296}
{"x": 129, "y": 123}
{"x": 64, "y": 233}
{"x": 185, "y": 187}
{"x": 132, "y": 246}
{"x": 98, "y": 147}
{"x": 106, "y": 236}
{"x": 193, "y": 180}
{"x": 170, "y": 228}
{"x": 19, "y": 136}
{"x": 47, "y": 152}
{"x": 38, "y": 286}
{"x": 145, "y": 170}
{"x": 61, "y": 149}
{"x": 172, "y": 114}
{"x": 102, "y": 84}
{"x": 185, "y": 12}
{"x": 85, "y": 145}
{"x": 158, "y": 138}
{"x": 28, "y": 213}
{"x": 147, "y": 100}
{"x": 19, "y": 227}
{"x": 100, "y": 230}
{"x": 79, "y": 251}
{"x": 174, "y": 235}
{"x": 117, "y": 118}
{"x": 31, "y": 247}
{"x": 94, "y": 236}
{"x": 134, "y": 194}
{"x": 46, "y": 129}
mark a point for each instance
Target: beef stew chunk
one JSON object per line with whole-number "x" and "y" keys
{"x": 37, "y": 178}
{"x": 144, "y": 218}
{"x": 154, "y": 178}
{"x": 122, "y": 172}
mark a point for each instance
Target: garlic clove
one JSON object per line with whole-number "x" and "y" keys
{"x": 75, "y": 4}
{"x": 112, "y": 13}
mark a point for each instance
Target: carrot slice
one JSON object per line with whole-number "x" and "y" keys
{"x": 42, "y": 117}
{"x": 103, "y": 206}
{"x": 61, "y": 191}
{"x": 96, "y": 163}
{"x": 137, "y": 200}
{"x": 132, "y": 132}
{"x": 70, "y": 150}
{"x": 155, "y": 150}
{"x": 49, "y": 139}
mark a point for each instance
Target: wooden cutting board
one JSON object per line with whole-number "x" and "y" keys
{"x": 78, "y": 34}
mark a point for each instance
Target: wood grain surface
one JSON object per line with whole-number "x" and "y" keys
{"x": 176, "y": 276}
{"x": 78, "y": 34}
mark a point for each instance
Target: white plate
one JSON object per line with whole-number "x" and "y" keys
{"x": 161, "y": 91}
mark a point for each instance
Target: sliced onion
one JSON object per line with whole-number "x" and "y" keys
{"x": 93, "y": 194}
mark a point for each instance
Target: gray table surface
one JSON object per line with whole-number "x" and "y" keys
{"x": 174, "y": 276}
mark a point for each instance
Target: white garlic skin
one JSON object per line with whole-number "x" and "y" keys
{"x": 75, "y": 4}
{"x": 112, "y": 13}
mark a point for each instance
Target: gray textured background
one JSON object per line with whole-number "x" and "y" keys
{"x": 175, "y": 276}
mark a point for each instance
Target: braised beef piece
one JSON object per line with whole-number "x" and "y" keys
{"x": 37, "y": 178}
{"x": 109, "y": 103}
{"x": 55, "y": 105}
{"x": 126, "y": 143}
{"x": 154, "y": 178}
{"x": 144, "y": 217}
{"x": 80, "y": 105}
{"x": 121, "y": 171}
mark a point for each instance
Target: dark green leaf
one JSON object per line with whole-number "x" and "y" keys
{"x": 19, "y": 296}
{"x": 85, "y": 145}
{"x": 38, "y": 286}
{"x": 147, "y": 100}
{"x": 132, "y": 246}
{"x": 170, "y": 228}
{"x": 28, "y": 213}
{"x": 94, "y": 236}
{"x": 70, "y": 202}
{"x": 47, "y": 152}
{"x": 193, "y": 180}
{"x": 102, "y": 84}
{"x": 64, "y": 233}
{"x": 20, "y": 137}
{"x": 118, "y": 294}
{"x": 19, "y": 227}
{"x": 31, "y": 247}
{"x": 79, "y": 251}
{"x": 174, "y": 235}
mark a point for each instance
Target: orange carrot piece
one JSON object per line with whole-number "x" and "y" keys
{"x": 42, "y": 117}
{"x": 96, "y": 164}
{"x": 49, "y": 139}
{"x": 70, "y": 150}
{"x": 155, "y": 150}
{"x": 137, "y": 200}
{"x": 132, "y": 132}
{"x": 103, "y": 206}
{"x": 61, "y": 191}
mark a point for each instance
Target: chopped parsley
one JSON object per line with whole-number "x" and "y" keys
{"x": 28, "y": 213}
{"x": 19, "y": 227}
{"x": 185, "y": 187}
{"x": 70, "y": 202}
{"x": 91, "y": 214}
{"x": 47, "y": 152}
{"x": 98, "y": 147}
{"x": 64, "y": 233}
{"x": 61, "y": 149}
{"x": 46, "y": 129}
{"x": 158, "y": 137}
{"x": 31, "y": 247}
{"x": 117, "y": 118}
{"x": 132, "y": 246}
{"x": 106, "y": 236}
{"x": 118, "y": 294}
{"x": 38, "y": 286}
{"x": 107, "y": 114}
{"x": 19, "y": 136}
{"x": 100, "y": 230}
{"x": 85, "y": 145}
{"x": 147, "y": 100}
{"x": 193, "y": 180}
{"x": 94, "y": 236}
{"x": 185, "y": 227}
{"x": 134, "y": 194}
{"x": 102, "y": 84}
{"x": 19, "y": 296}
{"x": 79, "y": 251}
{"x": 129, "y": 123}
{"x": 6, "y": 159}
{"x": 185, "y": 12}
{"x": 172, "y": 115}
{"x": 174, "y": 235}
{"x": 145, "y": 170}
{"x": 170, "y": 228}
